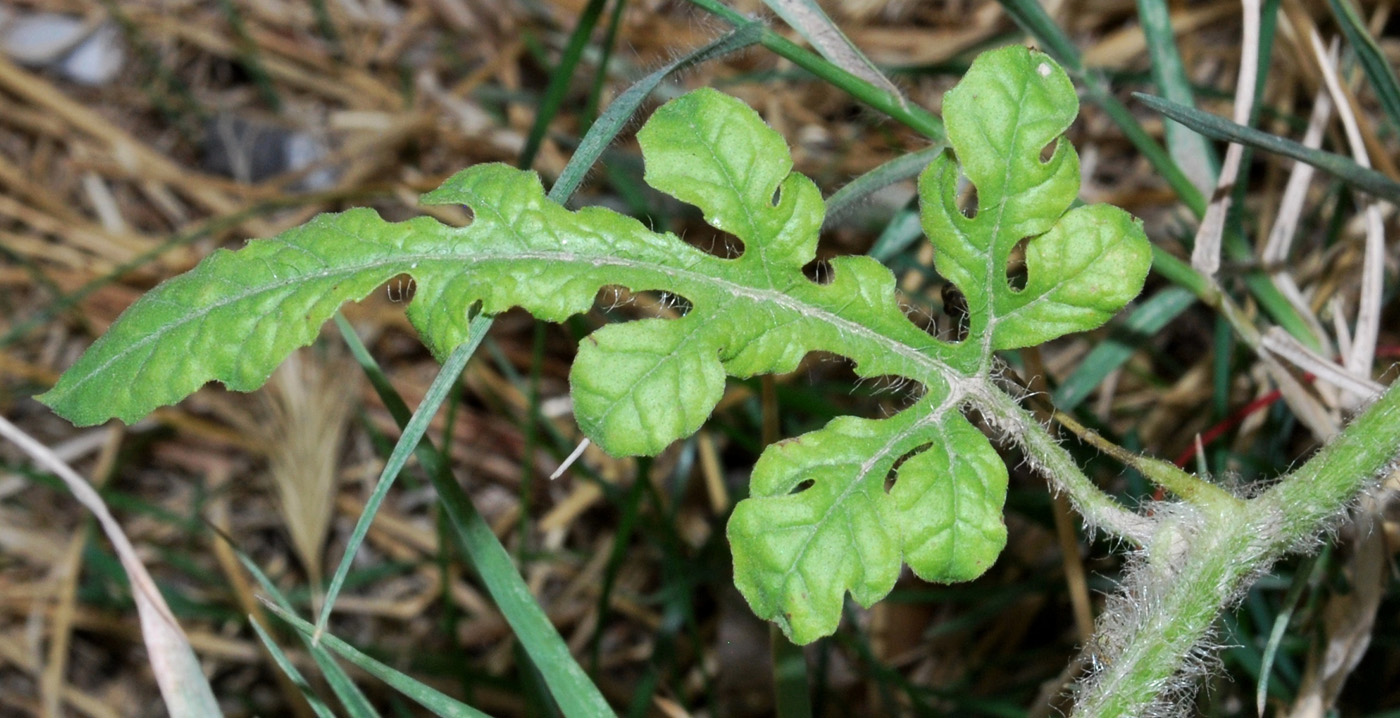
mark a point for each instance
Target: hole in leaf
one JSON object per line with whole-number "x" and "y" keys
{"x": 922, "y": 316}
{"x": 720, "y": 244}
{"x": 892, "y": 476}
{"x": 777, "y": 196}
{"x": 955, "y": 307}
{"x": 967, "y": 201}
{"x": 662, "y": 304}
{"x": 401, "y": 288}
{"x": 611, "y": 298}
{"x": 622, "y": 303}
{"x": 819, "y": 271}
{"x": 823, "y": 374}
{"x": 841, "y": 390}
{"x": 698, "y": 233}
{"x": 1016, "y": 266}
{"x": 892, "y": 393}
{"x": 802, "y": 486}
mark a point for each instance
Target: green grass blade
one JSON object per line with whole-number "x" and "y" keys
{"x": 1145, "y": 321}
{"x": 1032, "y": 18}
{"x": 558, "y": 85}
{"x": 577, "y": 696}
{"x": 350, "y": 696}
{"x": 1180, "y": 273}
{"x": 317, "y": 705}
{"x": 1373, "y": 61}
{"x": 902, "y": 231}
{"x": 1191, "y": 151}
{"x": 602, "y": 132}
{"x": 1273, "y": 302}
{"x": 906, "y": 113}
{"x": 898, "y": 169}
{"x": 412, "y": 433}
{"x": 792, "y": 697}
{"x": 248, "y": 55}
{"x": 434, "y": 700}
{"x": 1301, "y": 578}
{"x": 810, "y": 21}
{"x": 1222, "y": 360}
{"x": 600, "y": 78}
{"x": 1219, "y": 128}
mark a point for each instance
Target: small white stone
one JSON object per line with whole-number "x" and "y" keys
{"x": 41, "y": 38}
{"x": 98, "y": 59}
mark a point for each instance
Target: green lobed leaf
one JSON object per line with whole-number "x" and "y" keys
{"x": 820, "y": 520}
{"x": 1084, "y": 265}
{"x": 834, "y": 511}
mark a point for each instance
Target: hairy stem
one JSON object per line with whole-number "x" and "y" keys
{"x": 1203, "y": 558}
{"x": 1179, "y": 482}
{"x": 1149, "y": 642}
{"x": 1316, "y": 491}
{"x": 1098, "y": 508}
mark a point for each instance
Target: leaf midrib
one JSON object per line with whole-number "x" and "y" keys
{"x": 413, "y": 263}
{"x": 934, "y": 416}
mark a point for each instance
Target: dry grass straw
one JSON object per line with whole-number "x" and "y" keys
{"x": 65, "y": 577}
{"x": 306, "y": 407}
{"x": 1205, "y": 256}
{"x": 240, "y": 584}
{"x": 183, "y": 687}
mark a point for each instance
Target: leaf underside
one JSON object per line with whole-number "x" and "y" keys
{"x": 823, "y": 517}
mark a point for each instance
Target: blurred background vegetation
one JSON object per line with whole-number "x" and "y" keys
{"x": 138, "y": 136}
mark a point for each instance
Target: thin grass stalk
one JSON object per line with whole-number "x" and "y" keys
{"x": 349, "y": 694}
{"x": 413, "y": 432}
{"x": 576, "y": 694}
{"x": 906, "y": 113}
{"x": 817, "y": 28}
{"x": 1191, "y": 152}
{"x": 1219, "y": 128}
{"x": 289, "y": 669}
{"x": 1379, "y": 71}
{"x": 559, "y": 79}
{"x": 434, "y": 700}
